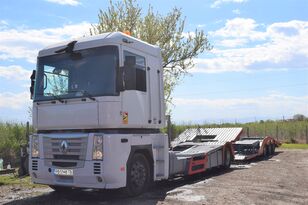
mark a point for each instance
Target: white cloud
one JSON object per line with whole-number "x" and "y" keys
{"x": 240, "y": 28}
{"x": 25, "y": 43}
{"x": 244, "y": 45}
{"x": 217, "y": 3}
{"x": 14, "y": 72}
{"x": 4, "y": 23}
{"x": 274, "y": 104}
{"x": 236, "y": 11}
{"x": 233, "y": 42}
{"x": 14, "y": 100}
{"x": 65, "y": 2}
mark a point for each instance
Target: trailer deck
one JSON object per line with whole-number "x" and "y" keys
{"x": 199, "y": 149}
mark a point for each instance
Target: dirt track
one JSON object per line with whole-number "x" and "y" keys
{"x": 283, "y": 179}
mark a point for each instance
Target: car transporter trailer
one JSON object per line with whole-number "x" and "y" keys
{"x": 248, "y": 148}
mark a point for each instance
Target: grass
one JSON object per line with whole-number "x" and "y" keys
{"x": 294, "y": 146}
{"x": 10, "y": 179}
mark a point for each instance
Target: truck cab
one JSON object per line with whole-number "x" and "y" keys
{"x": 98, "y": 106}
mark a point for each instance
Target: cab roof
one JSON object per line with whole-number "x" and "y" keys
{"x": 111, "y": 38}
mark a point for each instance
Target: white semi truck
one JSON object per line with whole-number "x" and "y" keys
{"x": 98, "y": 107}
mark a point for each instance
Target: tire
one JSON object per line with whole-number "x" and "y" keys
{"x": 227, "y": 158}
{"x": 265, "y": 153}
{"x": 138, "y": 175}
{"x": 273, "y": 149}
{"x": 270, "y": 151}
{"x": 61, "y": 189}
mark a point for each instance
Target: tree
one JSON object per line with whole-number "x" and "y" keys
{"x": 299, "y": 117}
{"x": 165, "y": 31}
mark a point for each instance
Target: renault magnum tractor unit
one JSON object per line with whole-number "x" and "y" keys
{"x": 98, "y": 107}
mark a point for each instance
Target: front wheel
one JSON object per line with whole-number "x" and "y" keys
{"x": 138, "y": 175}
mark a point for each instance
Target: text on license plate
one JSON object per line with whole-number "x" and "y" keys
{"x": 64, "y": 172}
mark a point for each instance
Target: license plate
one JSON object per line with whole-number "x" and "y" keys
{"x": 64, "y": 172}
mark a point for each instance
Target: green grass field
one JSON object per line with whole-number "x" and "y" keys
{"x": 294, "y": 146}
{"x": 10, "y": 179}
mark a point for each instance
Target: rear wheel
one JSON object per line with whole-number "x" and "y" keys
{"x": 227, "y": 161}
{"x": 273, "y": 149}
{"x": 270, "y": 150}
{"x": 138, "y": 175}
{"x": 265, "y": 153}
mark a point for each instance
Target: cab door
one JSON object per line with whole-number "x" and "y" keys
{"x": 135, "y": 97}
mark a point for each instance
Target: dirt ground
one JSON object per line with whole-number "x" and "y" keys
{"x": 282, "y": 179}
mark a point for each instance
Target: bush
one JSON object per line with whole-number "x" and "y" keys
{"x": 12, "y": 135}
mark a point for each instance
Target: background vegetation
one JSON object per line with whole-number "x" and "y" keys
{"x": 288, "y": 131}
{"x": 12, "y": 135}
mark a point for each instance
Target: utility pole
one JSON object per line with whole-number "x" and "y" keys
{"x": 277, "y": 132}
{"x": 27, "y": 132}
{"x": 169, "y": 129}
{"x": 306, "y": 134}
{"x": 24, "y": 155}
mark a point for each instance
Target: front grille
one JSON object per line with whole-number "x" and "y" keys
{"x": 64, "y": 164}
{"x": 73, "y": 156}
{"x": 97, "y": 168}
{"x": 34, "y": 165}
{"x": 63, "y": 156}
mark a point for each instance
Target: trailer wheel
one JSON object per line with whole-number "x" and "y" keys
{"x": 138, "y": 175}
{"x": 273, "y": 149}
{"x": 269, "y": 148}
{"x": 265, "y": 153}
{"x": 227, "y": 161}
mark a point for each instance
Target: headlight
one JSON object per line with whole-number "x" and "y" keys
{"x": 35, "y": 149}
{"x": 98, "y": 148}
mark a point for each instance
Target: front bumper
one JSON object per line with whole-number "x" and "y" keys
{"x": 82, "y": 178}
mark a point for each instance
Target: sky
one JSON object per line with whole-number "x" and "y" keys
{"x": 257, "y": 69}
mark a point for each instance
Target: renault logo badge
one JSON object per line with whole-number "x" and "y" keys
{"x": 63, "y": 146}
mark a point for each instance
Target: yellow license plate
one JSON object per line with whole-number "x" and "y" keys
{"x": 64, "y": 172}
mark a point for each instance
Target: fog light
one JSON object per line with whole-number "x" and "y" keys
{"x": 99, "y": 179}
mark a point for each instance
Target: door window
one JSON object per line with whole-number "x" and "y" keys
{"x": 135, "y": 71}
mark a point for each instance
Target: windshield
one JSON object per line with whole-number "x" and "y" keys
{"x": 64, "y": 76}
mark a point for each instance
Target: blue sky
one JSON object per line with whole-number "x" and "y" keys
{"x": 258, "y": 68}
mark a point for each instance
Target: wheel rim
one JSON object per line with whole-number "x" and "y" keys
{"x": 138, "y": 174}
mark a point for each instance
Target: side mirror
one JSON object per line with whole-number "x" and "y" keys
{"x": 32, "y": 77}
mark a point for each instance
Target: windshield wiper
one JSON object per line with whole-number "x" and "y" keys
{"x": 85, "y": 94}
{"x": 88, "y": 95}
{"x": 55, "y": 97}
